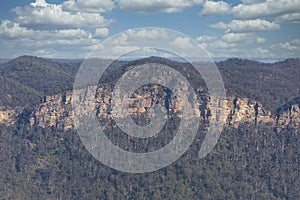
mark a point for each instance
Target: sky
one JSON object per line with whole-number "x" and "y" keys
{"x": 253, "y": 29}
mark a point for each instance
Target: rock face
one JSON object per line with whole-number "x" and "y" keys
{"x": 9, "y": 116}
{"x": 289, "y": 117}
{"x": 56, "y": 111}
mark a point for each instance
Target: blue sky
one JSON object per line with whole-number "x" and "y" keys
{"x": 257, "y": 29}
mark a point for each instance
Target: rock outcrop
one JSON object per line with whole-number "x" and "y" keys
{"x": 9, "y": 116}
{"x": 56, "y": 111}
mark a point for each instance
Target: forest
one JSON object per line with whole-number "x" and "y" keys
{"x": 251, "y": 161}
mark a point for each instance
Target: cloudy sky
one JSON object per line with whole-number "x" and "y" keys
{"x": 259, "y": 29}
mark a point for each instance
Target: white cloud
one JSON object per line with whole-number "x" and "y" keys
{"x": 206, "y": 38}
{"x": 225, "y": 50}
{"x": 140, "y": 35}
{"x": 149, "y": 42}
{"x": 219, "y": 44}
{"x": 293, "y": 45}
{"x": 71, "y": 29}
{"x": 235, "y": 37}
{"x": 39, "y": 3}
{"x": 51, "y": 16}
{"x": 44, "y": 28}
{"x": 296, "y": 42}
{"x": 260, "y": 40}
{"x": 45, "y": 53}
{"x": 214, "y": 8}
{"x": 93, "y": 6}
{"x": 240, "y": 26}
{"x": 148, "y": 33}
{"x": 101, "y": 32}
{"x": 133, "y": 39}
{"x": 120, "y": 50}
{"x": 289, "y": 18}
{"x": 61, "y": 43}
{"x": 287, "y": 49}
{"x": 242, "y": 38}
{"x": 269, "y": 8}
{"x": 230, "y": 40}
{"x": 261, "y": 53}
{"x": 252, "y": 1}
{"x": 182, "y": 43}
{"x": 122, "y": 39}
{"x": 12, "y": 30}
{"x": 153, "y": 6}
{"x": 235, "y": 45}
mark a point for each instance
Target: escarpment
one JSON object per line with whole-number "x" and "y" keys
{"x": 56, "y": 111}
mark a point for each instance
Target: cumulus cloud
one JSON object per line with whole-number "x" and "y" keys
{"x": 11, "y": 30}
{"x": 136, "y": 43}
{"x": 220, "y": 50}
{"x": 252, "y": 1}
{"x": 271, "y": 8}
{"x": 235, "y": 45}
{"x": 148, "y": 33}
{"x": 262, "y": 53}
{"x": 39, "y": 3}
{"x": 182, "y": 43}
{"x": 219, "y": 44}
{"x": 260, "y": 40}
{"x": 231, "y": 39}
{"x": 242, "y": 38}
{"x": 287, "y": 49}
{"x": 296, "y": 42}
{"x": 61, "y": 41}
{"x": 41, "y": 15}
{"x": 292, "y": 18}
{"x": 235, "y": 37}
{"x": 153, "y": 6}
{"x": 92, "y": 6}
{"x": 101, "y": 32}
{"x": 140, "y": 35}
{"x": 215, "y": 7}
{"x": 131, "y": 40}
{"x": 119, "y": 50}
{"x": 206, "y": 38}
{"x": 44, "y": 28}
{"x": 240, "y": 26}
{"x": 293, "y": 45}
{"x": 74, "y": 27}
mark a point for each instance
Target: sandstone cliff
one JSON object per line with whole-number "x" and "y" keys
{"x": 56, "y": 111}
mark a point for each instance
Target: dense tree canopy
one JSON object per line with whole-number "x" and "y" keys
{"x": 249, "y": 162}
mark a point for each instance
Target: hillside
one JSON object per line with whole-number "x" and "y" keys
{"x": 15, "y": 94}
{"x": 44, "y": 76}
{"x": 273, "y": 84}
{"x": 256, "y": 157}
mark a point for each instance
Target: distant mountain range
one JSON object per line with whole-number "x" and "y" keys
{"x": 3, "y": 60}
{"x": 265, "y": 60}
